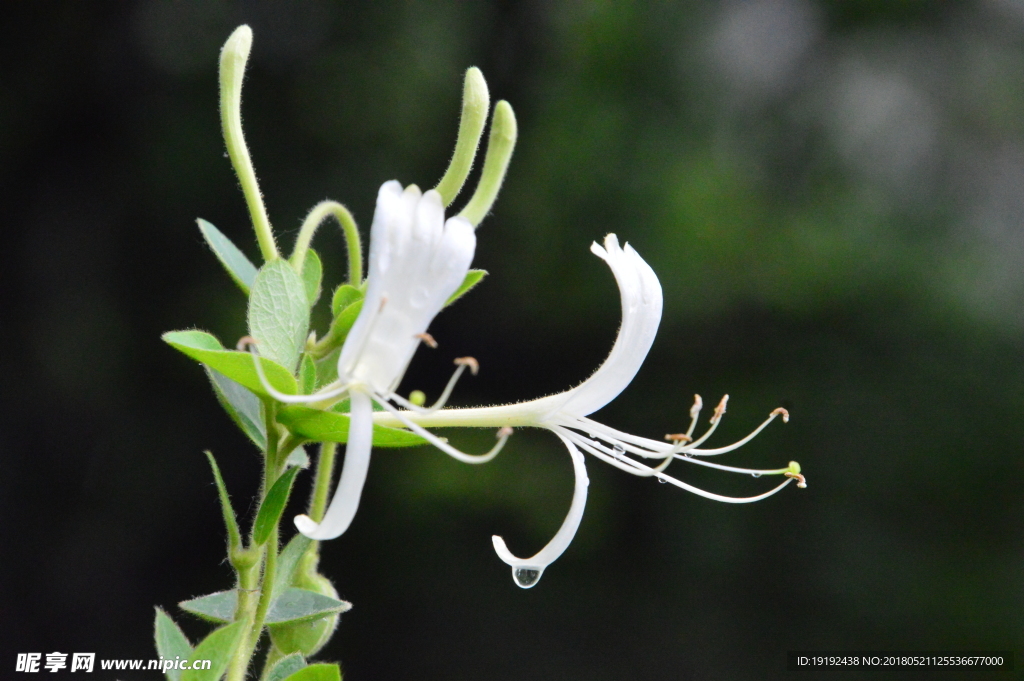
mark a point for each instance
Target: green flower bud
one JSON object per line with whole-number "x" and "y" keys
{"x": 306, "y": 637}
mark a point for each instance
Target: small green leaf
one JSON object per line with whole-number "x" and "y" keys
{"x": 341, "y": 325}
{"x": 244, "y": 408}
{"x": 344, "y": 295}
{"x": 233, "y": 260}
{"x": 288, "y": 560}
{"x": 307, "y": 375}
{"x": 317, "y": 672}
{"x": 329, "y": 426}
{"x": 279, "y": 313}
{"x": 216, "y": 607}
{"x": 218, "y": 648}
{"x": 272, "y": 507}
{"x": 473, "y": 277}
{"x": 301, "y": 605}
{"x": 298, "y": 458}
{"x": 238, "y": 366}
{"x": 327, "y": 368}
{"x": 312, "y": 272}
{"x": 170, "y": 643}
{"x": 285, "y": 667}
{"x": 234, "y": 536}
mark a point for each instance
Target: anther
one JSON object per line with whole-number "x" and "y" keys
{"x": 678, "y": 437}
{"x": 720, "y": 409}
{"x": 474, "y": 366}
{"x": 783, "y": 412}
{"x": 801, "y": 481}
{"x": 428, "y": 340}
{"x": 244, "y": 342}
{"x": 504, "y": 431}
{"x": 698, "y": 404}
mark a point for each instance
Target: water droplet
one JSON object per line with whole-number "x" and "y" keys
{"x": 618, "y": 450}
{"x": 591, "y": 436}
{"x": 419, "y": 297}
{"x": 755, "y": 475}
{"x": 661, "y": 480}
{"x": 526, "y": 577}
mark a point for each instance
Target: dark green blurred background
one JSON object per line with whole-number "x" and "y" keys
{"x": 832, "y": 194}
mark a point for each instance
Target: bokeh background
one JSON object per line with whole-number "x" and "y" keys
{"x": 831, "y": 191}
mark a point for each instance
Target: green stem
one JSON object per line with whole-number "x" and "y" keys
{"x": 248, "y": 590}
{"x": 233, "y": 57}
{"x": 322, "y": 480}
{"x": 321, "y": 212}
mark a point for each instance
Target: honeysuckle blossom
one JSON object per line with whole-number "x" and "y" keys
{"x": 566, "y": 415}
{"x": 417, "y": 260}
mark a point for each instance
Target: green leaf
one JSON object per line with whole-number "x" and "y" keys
{"x": 288, "y": 560}
{"x": 216, "y": 607}
{"x": 473, "y": 277}
{"x": 285, "y": 667}
{"x": 329, "y": 426}
{"x": 218, "y": 648}
{"x": 279, "y": 313}
{"x": 272, "y": 507}
{"x": 344, "y": 295}
{"x": 233, "y": 260}
{"x": 312, "y": 273}
{"x": 292, "y": 605}
{"x": 234, "y": 536}
{"x": 301, "y": 605}
{"x": 327, "y": 368}
{"x": 317, "y": 672}
{"x": 307, "y": 375}
{"x": 298, "y": 458}
{"x": 244, "y": 408}
{"x": 238, "y": 366}
{"x": 170, "y": 642}
{"x": 342, "y": 324}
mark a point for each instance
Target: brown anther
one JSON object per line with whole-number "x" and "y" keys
{"x": 801, "y": 481}
{"x": 720, "y": 409}
{"x": 678, "y": 437}
{"x": 504, "y": 431}
{"x": 698, "y": 404}
{"x": 474, "y": 366}
{"x": 244, "y": 342}
{"x": 785, "y": 414}
{"x": 427, "y": 339}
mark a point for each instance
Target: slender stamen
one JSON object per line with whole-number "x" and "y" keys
{"x": 739, "y": 443}
{"x": 412, "y": 406}
{"x": 503, "y": 436}
{"x": 474, "y": 366}
{"x": 639, "y": 469}
{"x": 801, "y": 481}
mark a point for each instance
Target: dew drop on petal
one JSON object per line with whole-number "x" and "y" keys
{"x": 526, "y": 577}
{"x": 755, "y": 475}
{"x": 661, "y": 480}
{"x": 420, "y": 296}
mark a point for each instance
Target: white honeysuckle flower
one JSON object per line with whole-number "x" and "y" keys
{"x": 417, "y": 260}
{"x": 565, "y": 414}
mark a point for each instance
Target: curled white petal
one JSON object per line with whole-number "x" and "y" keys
{"x": 641, "y": 296}
{"x": 350, "y": 487}
{"x": 527, "y": 571}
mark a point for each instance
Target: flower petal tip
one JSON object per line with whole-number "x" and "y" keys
{"x": 305, "y": 525}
